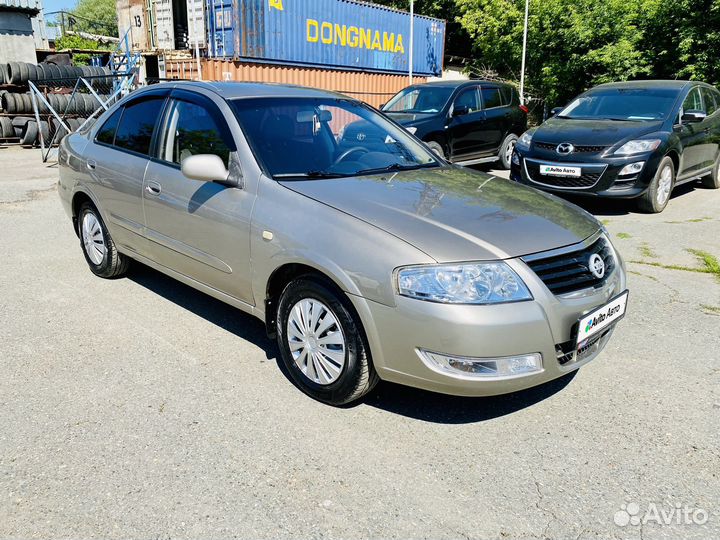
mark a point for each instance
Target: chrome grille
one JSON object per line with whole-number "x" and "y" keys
{"x": 581, "y": 149}
{"x": 585, "y": 180}
{"x": 570, "y": 272}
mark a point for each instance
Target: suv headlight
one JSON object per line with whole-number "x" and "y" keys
{"x": 638, "y": 146}
{"x": 468, "y": 283}
{"x": 526, "y": 139}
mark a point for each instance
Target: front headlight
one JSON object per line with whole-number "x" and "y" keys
{"x": 639, "y": 146}
{"x": 526, "y": 139}
{"x": 469, "y": 283}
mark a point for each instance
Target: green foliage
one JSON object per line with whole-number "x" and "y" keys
{"x": 76, "y": 42}
{"x": 96, "y": 16}
{"x": 575, "y": 44}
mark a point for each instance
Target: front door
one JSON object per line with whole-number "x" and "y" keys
{"x": 466, "y": 128}
{"x": 199, "y": 229}
{"x": 693, "y": 136}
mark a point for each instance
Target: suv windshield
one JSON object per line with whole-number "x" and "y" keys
{"x": 419, "y": 99}
{"x": 325, "y": 138}
{"x": 635, "y": 104}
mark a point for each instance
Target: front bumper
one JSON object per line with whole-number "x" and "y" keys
{"x": 543, "y": 325}
{"x": 524, "y": 169}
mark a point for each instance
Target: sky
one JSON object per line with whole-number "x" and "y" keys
{"x": 57, "y": 5}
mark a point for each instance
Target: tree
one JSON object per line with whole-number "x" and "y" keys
{"x": 96, "y": 17}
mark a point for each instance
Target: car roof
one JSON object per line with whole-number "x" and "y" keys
{"x": 459, "y": 83}
{"x": 647, "y": 85}
{"x": 239, "y": 90}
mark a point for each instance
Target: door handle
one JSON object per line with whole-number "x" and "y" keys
{"x": 91, "y": 164}
{"x": 153, "y": 188}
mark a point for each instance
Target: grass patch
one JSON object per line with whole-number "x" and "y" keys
{"x": 653, "y": 278}
{"x": 647, "y": 252}
{"x": 713, "y": 310}
{"x": 605, "y": 222}
{"x": 712, "y": 265}
{"x": 624, "y": 235}
{"x": 694, "y": 220}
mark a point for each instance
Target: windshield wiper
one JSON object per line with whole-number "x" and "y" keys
{"x": 311, "y": 174}
{"x": 396, "y": 167}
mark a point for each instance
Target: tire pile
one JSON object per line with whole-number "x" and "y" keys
{"x": 17, "y": 114}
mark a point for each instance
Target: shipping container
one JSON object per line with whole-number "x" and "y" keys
{"x": 196, "y": 23}
{"x": 328, "y": 33}
{"x": 164, "y": 24}
{"x": 371, "y": 87}
{"x": 132, "y": 20}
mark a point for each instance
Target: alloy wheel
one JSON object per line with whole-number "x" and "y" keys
{"x": 316, "y": 341}
{"x": 93, "y": 239}
{"x": 664, "y": 185}
{"x": 509, "y": 151}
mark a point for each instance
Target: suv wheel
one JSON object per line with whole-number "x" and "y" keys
{"x": 656, "y": 198}
{"x": 712, "y": 180}
{"x": 506, "y": 151}
{"x": 98, "y": 247}
{"x": 437, "y": 148}
{"x": 321, "y": 343}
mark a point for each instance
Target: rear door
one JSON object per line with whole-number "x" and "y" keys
{"x": 199, "y": 229}
{"x": 466, "y": 139}
{"x": 498, "y": 119}
{"x": 117, "y": 158}
{"x": 711, "y": 145}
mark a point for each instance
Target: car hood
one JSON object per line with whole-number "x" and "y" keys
{"x": 456, "y": 214}
{"x": 592, "y": 132}
{"x": 408, "y": 118}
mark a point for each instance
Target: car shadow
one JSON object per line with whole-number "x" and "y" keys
{"x": 393, "y": 398}
{"x": 212, "y": 310}
{"x": 443, "y": 409}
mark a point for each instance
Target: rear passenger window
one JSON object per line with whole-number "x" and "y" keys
{"x": 137, "y": 125}
{"x": 506, "y": 94}
{"x": 491, "y": 98}
{"x": 710, "y": 102}
{"x": 106, "y": 134}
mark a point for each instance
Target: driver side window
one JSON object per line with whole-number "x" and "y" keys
{"x": 468, "y": 98}
{"x": 191, "y": 130}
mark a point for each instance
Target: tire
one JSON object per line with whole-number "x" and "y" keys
{"x": 506, "y": 151}
{"x": 324, "y": 378}
{"x": 24, "y": 73}
{"x": 6, "y": 127}
{"x": 104, "y": 261}
{"x": 712, "y": 180}
{"x": 3, "y": 74}
{"x": 27, "y": 104}
{"x": 437, "y": 148}
{"x": 29, "y": 133}
{"x": 14, "y": 74}
{"x": 657, "y": 196}
{"x": 8, "y": 103}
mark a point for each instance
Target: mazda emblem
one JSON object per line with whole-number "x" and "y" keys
{"x": 596, "y": 265}
{"x": 565, "y": 149}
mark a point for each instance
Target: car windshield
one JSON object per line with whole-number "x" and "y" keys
{"x": 636, "y": 104}
{"x": 419, "y": 99}
{"x": 326, "y": 138}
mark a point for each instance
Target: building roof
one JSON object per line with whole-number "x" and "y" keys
{"x": 29, "y": 6}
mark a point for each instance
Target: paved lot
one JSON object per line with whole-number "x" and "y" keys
{"x": 138, "y": 408}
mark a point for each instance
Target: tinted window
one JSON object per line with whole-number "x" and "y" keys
{"x": 506, "y": 95}
{"x": 137, "y": 125}
{"x": 636, "y": 104}
{"x": 468, "y": 98}
{"x": 191, "y": 130}
{"x": 106, "y": 134}
{"x": 710, "y": 103}
{"x": 491, "y": 98}
{"x": 693, "y": 102}
{"x": 419, "y": 99}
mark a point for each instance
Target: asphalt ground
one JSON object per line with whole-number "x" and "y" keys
{"x": 139, "y": 408}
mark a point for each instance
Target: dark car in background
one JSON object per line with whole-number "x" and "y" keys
{"x": 466, "y": 122}
{"x": 627, "y": 140}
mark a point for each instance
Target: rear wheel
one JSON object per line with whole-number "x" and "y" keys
{"x": 98, "y": 247}
{"x": 656, "y": 198}
{"x": 712, "y": 180}
{"x": 506, "y": 151}
{"x": 321, "y": 343}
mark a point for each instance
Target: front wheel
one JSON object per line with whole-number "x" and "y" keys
{"x": 656, "y": 198}
{"x": 437, "y": 148}
{"x": 506, "y": 151}
{"x": 321, "y": 343}
{"x": 98, "y": 247}
{"x": 712, "y": 180}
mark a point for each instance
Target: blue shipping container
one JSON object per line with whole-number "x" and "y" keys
{"x": 325, "y": 33}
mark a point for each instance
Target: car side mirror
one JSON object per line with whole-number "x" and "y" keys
{"x": 206, "y": 168}
{"x": 555, "y": 111}
{"x": 693, "y": 117}
{"x": 460, "y": 110}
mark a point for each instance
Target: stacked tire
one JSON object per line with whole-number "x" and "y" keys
{"x": 82, "y": 104}
{"x": 19, "y": 73}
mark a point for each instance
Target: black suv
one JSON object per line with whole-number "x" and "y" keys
{"x": 626, "y": 140}
{"x": 466, "y": 122}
